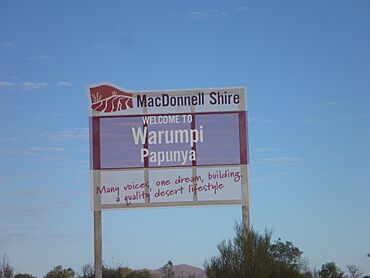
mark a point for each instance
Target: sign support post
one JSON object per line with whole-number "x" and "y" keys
{"x": 98, "y": 260}
{"x": 245, "y": 211}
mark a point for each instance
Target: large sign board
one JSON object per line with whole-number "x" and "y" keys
{"x": 168, "y": 148}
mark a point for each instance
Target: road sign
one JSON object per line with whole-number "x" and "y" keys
{"x": 168, "y": 148}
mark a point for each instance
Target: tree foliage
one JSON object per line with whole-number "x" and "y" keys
{"x": 6, "y": 270}
{"x": 124, "y": 272}
{"x": 115, "y": 272}
{"x": 60, "y": 272}
{"x": 139, "y": 274}
{"x": 252, "y": 255}
{"x": 87, "y": 271}
{"x": 168, "y": 269}
{"x": 25, "y": 275}
{"x": 330, "y": 270}
{"x": 287, "y": 253}
{"x": 354, "y": 271}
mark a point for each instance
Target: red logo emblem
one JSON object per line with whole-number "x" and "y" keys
{"x": 106, "y": 98}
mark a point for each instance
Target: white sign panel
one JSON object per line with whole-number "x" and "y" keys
{"x": 168, "y": 148}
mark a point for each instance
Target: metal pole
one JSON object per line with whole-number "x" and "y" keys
{"x": 245, "y": 205}
{"x": 245, "y": 211}
{"x": 98, "y": 257}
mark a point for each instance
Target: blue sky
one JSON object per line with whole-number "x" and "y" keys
{"x": 306, "y": 66}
